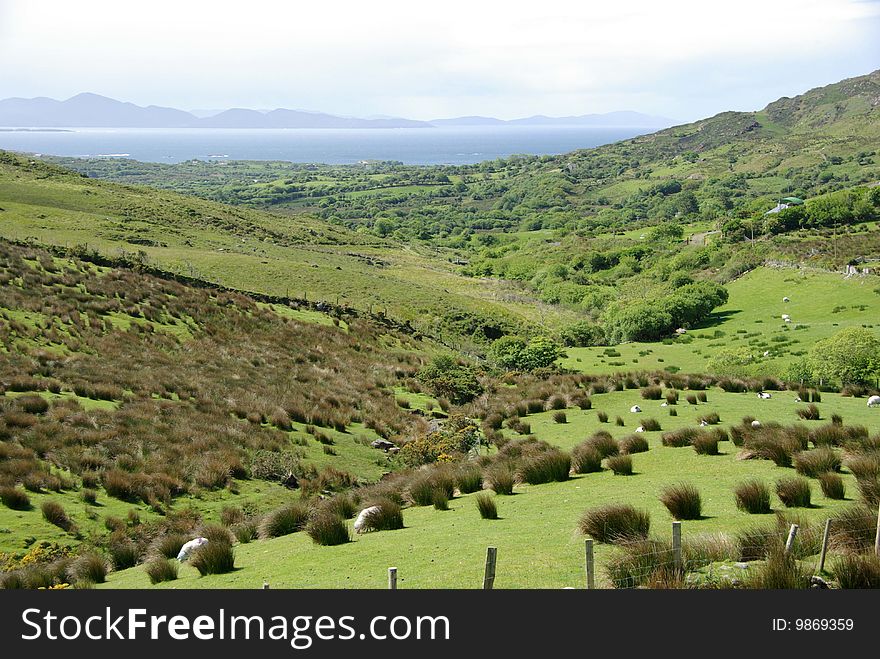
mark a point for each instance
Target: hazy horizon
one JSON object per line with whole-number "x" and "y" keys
{"x": 682, "y": 60}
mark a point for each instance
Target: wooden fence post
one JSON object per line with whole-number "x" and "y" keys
{"x": 265, "y": 585}
{"x": 825, "y": 536}
{"x": 489, "y": 576}
{"x": 392, "y": 578}
{"x": 792, "y": 533}
{"x": 676, "y": 545}
{"x": 591, "y": 573}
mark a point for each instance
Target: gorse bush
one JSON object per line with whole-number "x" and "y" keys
{"x": 486, "y": 505}
{"x": 326, "y": 528}
{"x": 793, "y": 492}
{"x": 213, "y": 558}
{"x": 832, "y": 485}
{"x": 161, "y": 569}
{"x": 752, "y": 497}
{"x": 614, "y": 523}
{"x": 682, "y": 500}
{"x": 284, "y": 521}
{"x": 621, "y": 465}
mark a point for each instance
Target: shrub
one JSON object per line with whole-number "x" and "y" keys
{"x": 586, "y": 458}
{"x": 614, "y": 523}
{"x": 89, "y": 568}
{"x": 602, "y": 416}
{"x": 14, "y": 498}
{"x": 810, "y": 412}
{"x": 650, "y": 424}
{"x": 283, "y": 521}
{"x": 651, "y": 393}
{"x": 545, "y": 467}
{"x": 213, "y": 558}
{"x": 815, "y": 462}
{"x": 245, "y": 531}
{"x": 161, "y": 569}
{"x": 469, "y": 479}
{"x": 604, "y": 443}
{"x": 793, "y": 492}
{"x": 486, "y": 505}
{"x": 388, "y": 517}
{"x": 682, "y": 500}
{"x": 832, "y": 485}
{"x": 559, "y": 417}
{"x": 53, "y": 512}
{"x": 635, "y": 443}
{"x": 326, "y": 528}
{"x": 168, "y": 546}
{"x": 621, "y": 465}
{"x": 501, "y": 479}
{"x": 857, "y": 571}
{"x": 752, "y": 497}
{"x": 706, "y": 444}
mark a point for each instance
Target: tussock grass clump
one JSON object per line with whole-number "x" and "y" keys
{"x": 863, "y": 465}
{"x": 770, "y": 445}
{"x": 753, "y": 544}
{"x": 283, "y": 521}
{"x": 682, "y": 501}
{"x": 14, "y": 498}
{"x": 794, "y": 492}
{"x": 752, "y": 497}
{"x": 559, "y": 417}
{"x": 168, "y": 546}
{"x": 582, "y": 401}
{"x": 854, "y": 528}
{"x": 245, "y": 531}
{"x": 161, "y": 569}
{"x": 869, "y": 489}
{"x": 440, "y": 501}
{"x": 691, "y": 399}
{"x": 123, "y": 553}
{"x": 780, "y": 571}
{"x": 817, "y": 461}
{"x": 421, "y": 490}
{"x": 810, "y": 412}
{"x": 712, "y": 418}
{"x": 586, "y": 459}
{"x": 642, "y": 563}
{"x": 89, "y": 568}
{"x": 857, "y": 571}
{"x": 673, "y": 411}
{"x": 213, "y": 558}
{"x": 832, "y": 485}
{"x": 327, "y": 529}
{"x": 216, "y": 533}
{"x": 89, "y": 496}
{"x": 651, "y": 393}
{"x": 469, "y": 479}
{"x": 621, "y": 465}
{"x": 604, "y": 443}
{"x": 706, "y": 444}
{"x": 650, "y": 424}
{"x": 500, "y": 478}
{"x": 615, "y": 523}
{"x": 672, "y": 398}
{"x": 680, "y": 437}
{"x": 54, "y": 513}
{"x": 602, "y": 416}
{"x": 545, "y": 467}
{"x": 556, "y": 402}
{"x": 388, "y": 517}
{"x": 635, "y": 443}
{"x": 618, "y": 421}
{"x": 486, "y": 505}
{"x": 701, "y": 396}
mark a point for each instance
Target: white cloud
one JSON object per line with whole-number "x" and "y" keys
{"x": 390, "y": 56}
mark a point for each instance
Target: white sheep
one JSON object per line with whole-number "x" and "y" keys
{"x": 189, "y": 547}
{"x": 363, "y": 518}
{"x": 797, "y": 399}
{"x": 664, "y": 404}
{"x": 874, "y": 401}
{"x": 785, "y": 299}
{"x": 785, "y": 316}
{"x": 703, "y": 423}
{"x": 764, "y": 395}
{"x": 766, "y": 353}
{"x": 635, "y": 409}
{"x": 640, "y": 429}
{"x": 756, "y": 424}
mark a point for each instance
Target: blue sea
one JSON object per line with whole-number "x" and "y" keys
{"x": 417, "y": 146}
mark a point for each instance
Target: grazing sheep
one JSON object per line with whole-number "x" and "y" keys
{"x": 756, "y": 424}
{"x": 787, "y": 320}
{"x": 664, "y": 404}
{"x": 785, "y": 299}
{"x": 874, "y": 401}
{"x": 189, "y": 547}
{"x": 640, "y": 429}
{"x": 797, "y": 399}
{"x": 766, "y": 353}
{"x": 763, "y": 395}
{"x": 704, "y": 423}
{"x": 785, "y": 316}
{"x": 635, "y": 409}
{"x": 363, "y": 518}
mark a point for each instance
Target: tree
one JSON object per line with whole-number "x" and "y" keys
{"x": 447, "y": 378}
{"x": 514, "y": 353}
{"x": 852, "y": 356}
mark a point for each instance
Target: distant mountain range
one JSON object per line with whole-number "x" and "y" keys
{"x": 93, "y": 110}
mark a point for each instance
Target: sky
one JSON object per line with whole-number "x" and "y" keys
{"x": 682, "y": 59}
